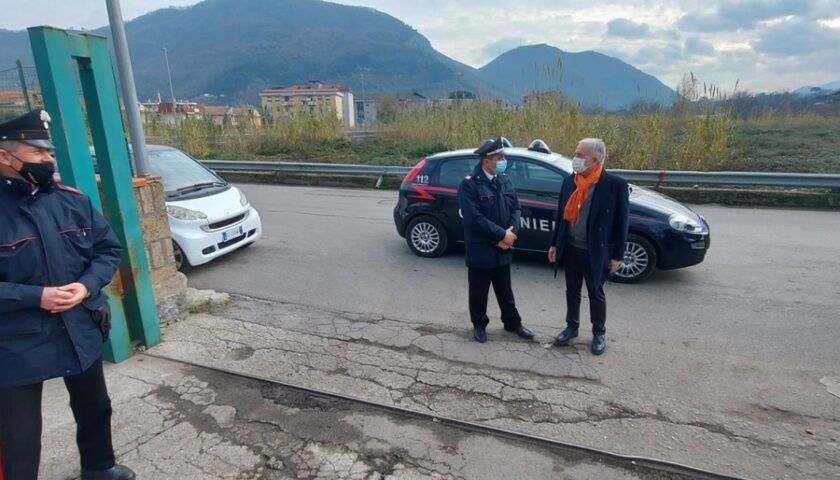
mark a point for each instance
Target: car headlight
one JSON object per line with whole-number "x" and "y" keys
{"x": 243, "y": 200}
{"x": 682, "y": 223}
{"x": 182, "y": 213}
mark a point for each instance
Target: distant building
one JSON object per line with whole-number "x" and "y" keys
{"x": 227, "y": 115}
{"x": 365, "y": 112}
{"x": 313, "y": 98}
{"x": 548, "y": 97}
{"x": 220, "y": 114}
{"x": 413, "y": 101}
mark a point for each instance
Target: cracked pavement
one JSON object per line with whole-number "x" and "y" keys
{"x": 175, "y": 421}
{"x": 509, "y": 383}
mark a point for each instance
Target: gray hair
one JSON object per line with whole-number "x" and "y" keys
{"x": 9, "y": 145}
{"x": 597, "y": 147}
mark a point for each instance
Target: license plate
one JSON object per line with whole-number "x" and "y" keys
{"x": 232, "y": 233}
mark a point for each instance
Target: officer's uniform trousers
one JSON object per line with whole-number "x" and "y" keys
{"x": 480, "y": 280}
{"x": 21, "y": 423}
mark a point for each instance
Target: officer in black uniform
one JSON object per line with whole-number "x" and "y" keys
{"x": 491, "y": 212}
{"x": 57, "y": 253}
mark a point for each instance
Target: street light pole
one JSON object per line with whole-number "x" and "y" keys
{"x": 171, "y": 90}
{"x": 132, "y": 111}
{"x": 364, "y": 103}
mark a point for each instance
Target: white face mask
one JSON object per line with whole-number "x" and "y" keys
{"x": 578, "y": 164}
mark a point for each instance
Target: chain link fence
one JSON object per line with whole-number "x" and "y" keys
{"x": 19, "y": 92}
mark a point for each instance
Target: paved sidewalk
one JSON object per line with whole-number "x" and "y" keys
{"x": 179, "y": 422}
{"x": 507, "y": 382}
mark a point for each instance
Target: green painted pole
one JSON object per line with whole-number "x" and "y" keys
{"x": 58, "y": 56}
{"x": 55, "y": 66}
{"x": 100, "y": 90}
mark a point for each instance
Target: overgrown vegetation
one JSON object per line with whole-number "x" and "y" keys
{"x": 693, "y": 134}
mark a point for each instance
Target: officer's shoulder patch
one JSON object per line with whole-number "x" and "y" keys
{"x": 70, "y": 189}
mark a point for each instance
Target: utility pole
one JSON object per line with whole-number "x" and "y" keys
{"x": 139, "y": 160}
{"x": 364, "y": 103}
{"x": 171, "y": 90}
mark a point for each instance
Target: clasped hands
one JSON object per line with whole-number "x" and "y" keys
{"x": 63, "y": 298}
{"x": 507, "y": 242}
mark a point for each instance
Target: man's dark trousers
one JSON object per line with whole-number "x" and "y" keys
{"x": 20, "y": 424}
{"x": 480, "y": 280}
{"x": 577, "y": 269}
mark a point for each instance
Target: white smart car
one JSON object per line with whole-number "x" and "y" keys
{"x": 208, "y": 217}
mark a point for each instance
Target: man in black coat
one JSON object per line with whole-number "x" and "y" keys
{"x": 491, "y": 214}
{"x": 589, "y": 236}
{"x": 57, "y": 253}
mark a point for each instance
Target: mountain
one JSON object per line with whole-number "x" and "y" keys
{"x": 236, "y": 48}
{"x": 229, "y": 50}
{"x": 818, "y": 90}
{"x": 13, "y": 46}
{"x": 591, "y": 78}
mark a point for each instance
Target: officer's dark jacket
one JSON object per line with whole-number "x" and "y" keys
{"x": 489, "y": 209}
{"x": 606, "y": 229}
{"x": 50, "y": 238}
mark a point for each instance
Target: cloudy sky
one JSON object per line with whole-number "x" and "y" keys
{"x": 766, "y": 45}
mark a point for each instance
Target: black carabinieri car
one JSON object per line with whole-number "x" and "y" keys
{"x": 663, "y": 233}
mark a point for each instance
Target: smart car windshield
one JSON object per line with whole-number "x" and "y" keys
{"x": 180, "y": 173}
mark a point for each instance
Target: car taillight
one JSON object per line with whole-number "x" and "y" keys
{"x": 414, "y": 171}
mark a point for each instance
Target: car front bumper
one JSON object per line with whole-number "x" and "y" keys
{"x": 200, "y": 246}
{"x": 681, "y": 250}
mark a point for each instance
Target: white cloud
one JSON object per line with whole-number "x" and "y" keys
{"x": 767, "y": 44}
{"x": 830, "y": 22}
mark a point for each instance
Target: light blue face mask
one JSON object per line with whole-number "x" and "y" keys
{"x": 501, "y": 166}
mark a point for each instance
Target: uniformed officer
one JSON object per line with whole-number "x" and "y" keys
{"x": 56, "y": 255}
{"x": 491, "y": 212}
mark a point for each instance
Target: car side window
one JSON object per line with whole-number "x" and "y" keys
{"x": 534, "y": 178}
{"x": 452, "y": 172}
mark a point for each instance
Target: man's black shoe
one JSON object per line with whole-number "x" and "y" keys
{"x": 565, "y": 337}
{"x": 480, "y": 335}
{"x": 117, "y": 472}
{"x": 598, "y": 345}
{"x": 522, "y": 332}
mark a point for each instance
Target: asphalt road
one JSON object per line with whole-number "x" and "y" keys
{"x": 756, "y": 325}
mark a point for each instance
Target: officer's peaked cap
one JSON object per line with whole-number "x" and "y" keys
{"x": 492, "y": 147}
{"x": 31, "y": 128}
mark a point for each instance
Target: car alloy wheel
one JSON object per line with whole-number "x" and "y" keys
{"x": 426, "y": 237}
{"x": 181, "y": 261}
{"x": 638, "y": 262}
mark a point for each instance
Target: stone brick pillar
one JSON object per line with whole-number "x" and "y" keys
{"x": 169, "y": 284}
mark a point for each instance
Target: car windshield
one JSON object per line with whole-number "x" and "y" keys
{"x": 181, "y": 173}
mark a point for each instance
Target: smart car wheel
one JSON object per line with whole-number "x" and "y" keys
{"x": 638, "y": 262}
{"x": 426, "y": 237}
{"x": 181, "y": 262}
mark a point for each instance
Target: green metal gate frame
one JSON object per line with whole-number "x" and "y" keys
{"x": 58, "y": 56}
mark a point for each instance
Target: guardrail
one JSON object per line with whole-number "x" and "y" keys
{"x": 789, "y": 180}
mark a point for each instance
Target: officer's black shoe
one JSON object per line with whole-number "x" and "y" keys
{"x": 117, "y": 472}
{"x": 599, "y": 344}
{"x": 565, "y": 337}
{"x": 522, "y": 332}
{"x": 480, "y": 335}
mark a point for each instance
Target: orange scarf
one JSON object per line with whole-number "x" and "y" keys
{"x": 578, "y": 197}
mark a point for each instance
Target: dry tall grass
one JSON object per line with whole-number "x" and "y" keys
{"x": 653, "y": 140}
